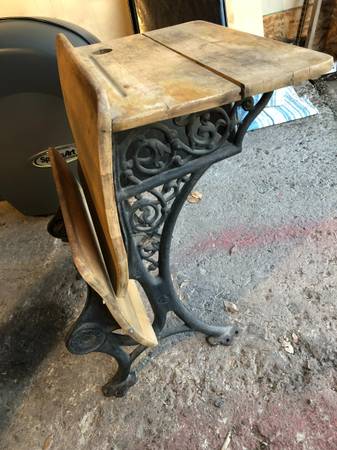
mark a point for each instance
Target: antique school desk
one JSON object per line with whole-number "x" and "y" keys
{"x": 150, "y": 113}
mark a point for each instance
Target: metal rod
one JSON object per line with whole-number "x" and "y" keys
{"x": 223, "y": 15}
{"x": 222, "y": 153}
{"x": 134, "y": 16}
{"x": 243, "y": 127}
{"x": 301, "y": 24}
{"x": 316, "y": 9}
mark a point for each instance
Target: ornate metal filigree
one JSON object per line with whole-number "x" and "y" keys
{"x": 147, "y": 213}
{"x": 156, "y": 161}
{"x": 151, "y": 150}
{"x": 148, "y": 248}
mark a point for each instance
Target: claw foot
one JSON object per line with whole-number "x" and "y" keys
{"x": 224, "y": 339}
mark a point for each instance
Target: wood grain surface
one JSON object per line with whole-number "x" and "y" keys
{"x": 89, "y": 114}
{"x": 128, "y": 310}
{"x": 146, "y": 82}
{"x": 255, "y": 63}
{"x": 187, "y": 68}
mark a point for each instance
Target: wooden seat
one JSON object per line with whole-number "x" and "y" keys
{"x": 128, "y": 310}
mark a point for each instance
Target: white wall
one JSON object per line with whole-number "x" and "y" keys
{"x": 271, "y": 6}
{"x": 245, "y": 15}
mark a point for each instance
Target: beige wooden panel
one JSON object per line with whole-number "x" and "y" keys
{"x": 283, "y": 25}
{"x": 245, "y": 16}
{"x": 106, "y": 19}
{"x": 128, "y": 310}
{"x": 89, "y": 114}
{"x": 255, "y": 63}
{"x": 146, "y": 82}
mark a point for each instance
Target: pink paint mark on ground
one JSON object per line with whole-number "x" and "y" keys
{"x": 306, "y": 421}
{"x": 242, "y": 238}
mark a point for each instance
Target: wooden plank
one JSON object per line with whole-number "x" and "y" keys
{"x": 241, "y": 14}
{"x": 304, "y": 14}
{"x": 89, "y": 114}
{"x": 145, "y": 82}
{"x": 254, "y": 63}
{"x": 128, "y": 310}
{"x": 283, "y": 25}
{"x": 323, "y": 26}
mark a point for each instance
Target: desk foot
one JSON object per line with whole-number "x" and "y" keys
{"x": 224, "y": 339}
{"x": 118, "y": 388}
{"x": 226, "y": 333}
{"x": 93, "y": 332}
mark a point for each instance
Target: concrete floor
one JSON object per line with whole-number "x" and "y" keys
{"x": 263, "y": 237}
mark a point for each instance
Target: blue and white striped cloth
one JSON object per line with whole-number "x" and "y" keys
{"x": 284, "y": 106}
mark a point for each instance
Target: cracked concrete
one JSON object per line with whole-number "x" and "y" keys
{"x": 263, "y": 237}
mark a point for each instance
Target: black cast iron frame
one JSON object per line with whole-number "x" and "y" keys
{"x": 156, "y": 168}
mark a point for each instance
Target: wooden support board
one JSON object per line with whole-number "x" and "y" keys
{"x": 89, "y": 114}
{"x": 128, "y": 311}
{"x": 309, "y": 42}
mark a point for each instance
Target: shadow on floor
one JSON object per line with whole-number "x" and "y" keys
{"x": 25, "y": 340}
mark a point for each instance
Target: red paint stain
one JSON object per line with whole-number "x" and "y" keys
{"x": 241, "y": 238}
{"x": 283, "y": 422}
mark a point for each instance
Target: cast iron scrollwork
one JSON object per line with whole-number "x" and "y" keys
{"x": 156, "y": 161}
{"x": 147, "y": 213}
{"x": 205, "y": 131}
{"x": 151, "y": 150}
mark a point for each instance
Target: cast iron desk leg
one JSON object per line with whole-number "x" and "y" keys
{"x": 156, "y": 167}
